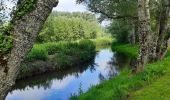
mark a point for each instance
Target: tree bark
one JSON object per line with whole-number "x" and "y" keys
{"x": 145, "y": 33}
{"x": 163, "y": 33}
{"x": 132, "y": 37}
{"x": 153, "y": 44}
{"x": 24, "y": 33}
{"x": 160, "y": 37}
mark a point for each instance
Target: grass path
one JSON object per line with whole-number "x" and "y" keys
{"x": 158, "y": 90}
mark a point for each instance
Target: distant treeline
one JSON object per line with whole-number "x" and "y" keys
{"x": 66, "y": 26}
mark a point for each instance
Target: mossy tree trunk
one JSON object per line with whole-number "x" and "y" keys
{"x": 163, "y": 30}
{"x": 25, "y": 31}
{"x": 145, "y": 33}
{"x": 153, "y": 44}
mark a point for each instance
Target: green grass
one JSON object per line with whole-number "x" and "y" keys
{"x": 160, "y": 89}
{"x": 82, "y": 49}
{"x": 38, "y": 52}
{"x": 131, "y": 50}
{"x": 121, "y": 87}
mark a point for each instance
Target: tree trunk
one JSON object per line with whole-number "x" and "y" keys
{"x": 145, "y": 33}
{"x": 24, "y": 33}
{"x": 132, "y": 37}
{"x": 163, "y": 35}
{"x": 159, "y": 42}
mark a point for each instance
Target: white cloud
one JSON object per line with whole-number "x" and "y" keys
{"x": 69, "y": 6}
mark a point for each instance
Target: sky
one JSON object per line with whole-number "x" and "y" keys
{"x": 69, "y": 6}
{"x": 64, "y": 5}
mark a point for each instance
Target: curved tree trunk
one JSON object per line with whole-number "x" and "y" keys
{"x": 24, "y": 32}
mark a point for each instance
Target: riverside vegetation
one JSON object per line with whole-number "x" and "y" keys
{"x": 132, "y": 86}
{"x": 56, "y": 56}
{"x": 66, "y": 40}
{"x": 143, "y": 23}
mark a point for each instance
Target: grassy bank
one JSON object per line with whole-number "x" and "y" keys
{"x": 61, "y": 55}
{"x": 130, "y": 50}
{"x": 103, "y": 41}
{"x": 121, "y": 87}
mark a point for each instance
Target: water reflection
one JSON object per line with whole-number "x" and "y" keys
{"x": 121, "y": 60}
{"x": 60, "y": 85}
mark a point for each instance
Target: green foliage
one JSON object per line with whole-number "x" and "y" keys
{"x": 66, "y": 54}
{"x": 75, "y": 53}
{"x": 5, "y": 43}
{"x": 111, "y": 8}
{"x": 38, "y": 52}
{"x": 121, "y": 29}
{"x": 24, "y": 7}
{"x": 50, "y": 56}
{"x": 118, "y": 88}
{"x": 69, "y": 27}
{"x": 131, "y": 50}
{"x": 104, "y": 41}
{"x": 5, "y": 39}
{"x": 84, "y": 15}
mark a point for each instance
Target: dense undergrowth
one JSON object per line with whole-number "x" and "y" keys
{"x": 61, "y": 55}
{"x": 120, "y": 87}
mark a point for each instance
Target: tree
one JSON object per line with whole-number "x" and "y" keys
{"x": 124, "y": 11}
{"x": 153, "y": 42}
{"x": 69, "y": 27}
{"x": 145, "y": 33}
{"x": 26, "y": 23}
{"x": 152, "y": 17}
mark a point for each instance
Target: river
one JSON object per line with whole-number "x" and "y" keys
{"x": 61, "y": 85}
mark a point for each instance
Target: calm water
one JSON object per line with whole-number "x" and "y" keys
{"x": 61, "y": 85}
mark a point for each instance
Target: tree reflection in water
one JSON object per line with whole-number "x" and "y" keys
{"x": 61, "y": 84}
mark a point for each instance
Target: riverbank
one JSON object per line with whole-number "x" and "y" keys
{"x": 123, "y": 86}
{"x": 62, "y": 84}
{"x": 56, "y": 56}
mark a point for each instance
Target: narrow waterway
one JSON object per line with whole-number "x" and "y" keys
{"x": 61, "y": 85}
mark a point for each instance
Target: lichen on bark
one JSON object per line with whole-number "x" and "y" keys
{"x": 26, "y": 26}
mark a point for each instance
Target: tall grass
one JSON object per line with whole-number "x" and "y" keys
{"x": 128, "y": 49}
{"x": 38, "y": 52}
